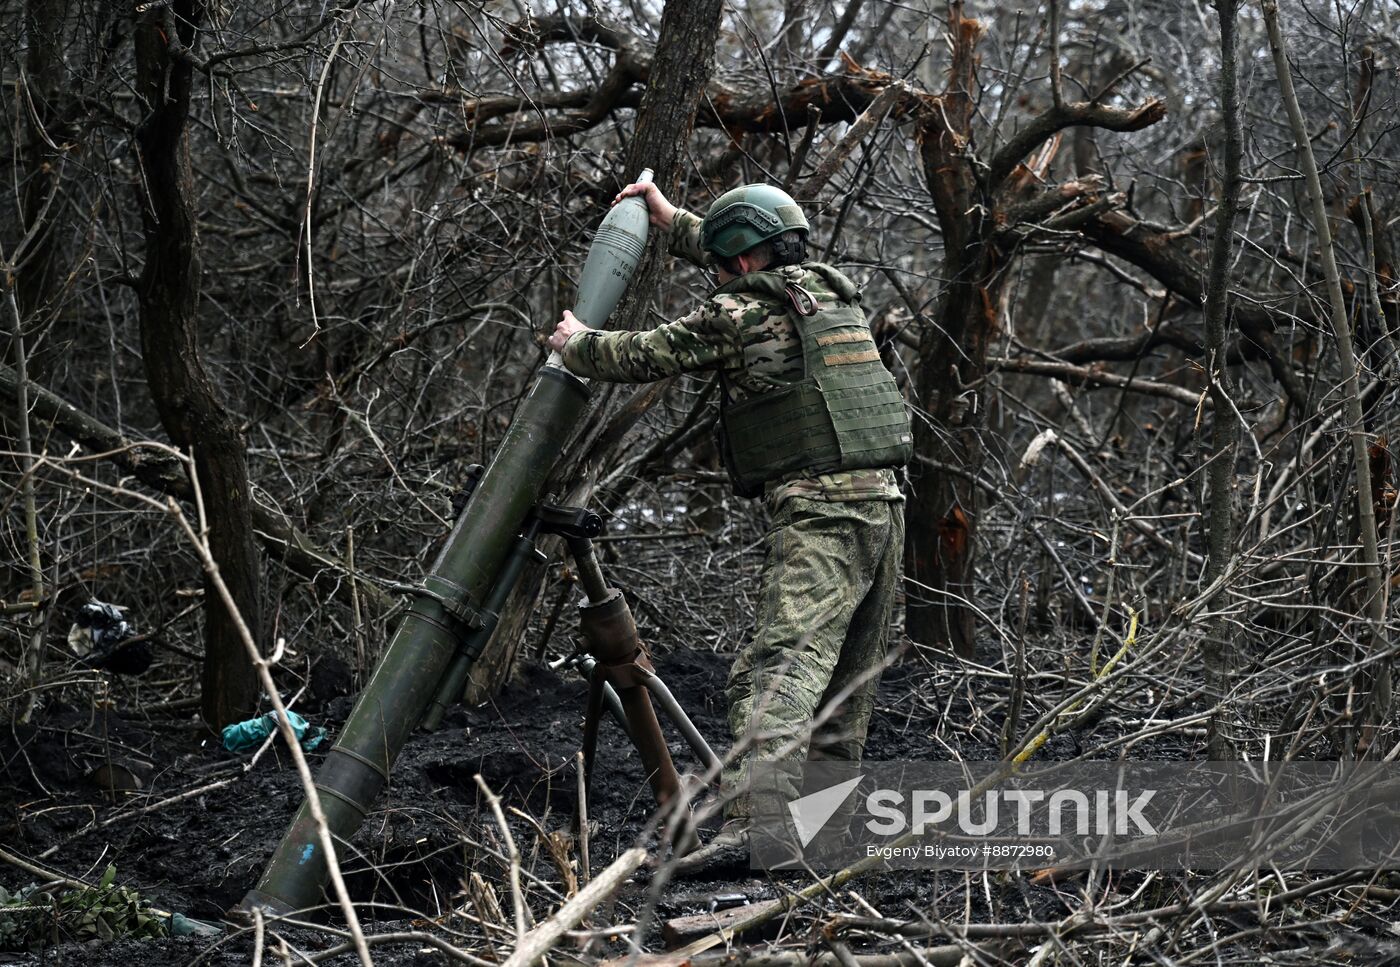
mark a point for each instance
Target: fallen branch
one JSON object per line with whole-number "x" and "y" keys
{"x": 869, "y": 118}
{"x": 517, "y": 895}
{"x": 543, "y": 938}
{"x": 947, "y": 955}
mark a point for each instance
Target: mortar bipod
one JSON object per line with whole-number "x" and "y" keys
{"x": 615, "y": 660}
{"x": 664, "y": 697}
{"x": 583, "y": 663}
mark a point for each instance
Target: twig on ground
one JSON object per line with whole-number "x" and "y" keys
{"x": 542, "y": 939}
{"x": 517, "y": 894}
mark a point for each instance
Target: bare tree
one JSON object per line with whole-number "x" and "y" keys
{"x": 987, "y": 206}
{"x": 193, "y": 414}
{"x": 1137, "y": 279}
{"x": 1221, "y": 658}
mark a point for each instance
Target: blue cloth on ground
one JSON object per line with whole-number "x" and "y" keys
{"x": 247, "y": 736}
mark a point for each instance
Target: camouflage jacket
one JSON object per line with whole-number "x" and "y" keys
{"x": 747, "y": 338}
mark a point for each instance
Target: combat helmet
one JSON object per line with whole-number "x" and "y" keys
{"x": 743, "y": 217}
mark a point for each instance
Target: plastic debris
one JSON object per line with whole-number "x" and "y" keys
{"x": 183, "y": 926}
{"x": 101, "y": 637}
{"x": 247, "y": 736}
{"x": 98, "y": 626}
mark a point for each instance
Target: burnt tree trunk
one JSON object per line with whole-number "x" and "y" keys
{"x": 940, "y": 549}
{"x": 193, "y": 414}
{"x": 679, "y": 72}
{"x": 987, "y": 207}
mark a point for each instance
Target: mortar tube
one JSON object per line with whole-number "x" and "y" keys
{"x": 445, "y": 610}
{"x": 455, "y": 681}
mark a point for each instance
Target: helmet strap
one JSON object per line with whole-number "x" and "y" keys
{"x": 784, "y": 252}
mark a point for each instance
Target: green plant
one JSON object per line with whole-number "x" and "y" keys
{"x": 36, "y": 917}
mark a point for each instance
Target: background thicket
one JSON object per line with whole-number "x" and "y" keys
{"x": 297, "y": 261}
{"x": 316, "y": 248}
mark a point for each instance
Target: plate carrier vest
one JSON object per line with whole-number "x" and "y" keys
{"x": 845, "y": 413}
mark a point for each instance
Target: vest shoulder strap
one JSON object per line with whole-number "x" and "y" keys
{"x": 837, "y": 281}
{"x": 773, "y": 283}
{"x": 770, "y": 284}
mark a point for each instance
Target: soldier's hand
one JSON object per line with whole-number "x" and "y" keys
{"x": 662, "y": 211}
{"x": 566, "y": 328}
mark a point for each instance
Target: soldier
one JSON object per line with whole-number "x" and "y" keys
{"x": 810, "y": 420}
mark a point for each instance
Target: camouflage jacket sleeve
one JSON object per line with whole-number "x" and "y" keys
{"x": 685, "y": 239}
{"x": 708, "y": 338}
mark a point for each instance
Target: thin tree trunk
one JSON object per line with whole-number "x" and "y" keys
{"x": 680, "y": 70}
{"x": 1382, "y": 341}
{"x": 940, "y": 550}
{"x": 36, "y": 281}
{"x": 190, "y": 409}
{"x": 33, "y": 664}
{"x": 1220, "y": 653}
{"x": 1375, "y": 681}
{"x": 838, "y": 33}
{"x": 29, "y": 272}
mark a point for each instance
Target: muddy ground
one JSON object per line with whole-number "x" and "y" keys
{"x": 199, "y": 854}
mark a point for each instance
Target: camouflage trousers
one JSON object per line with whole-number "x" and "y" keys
{"x": 830, "y": 572}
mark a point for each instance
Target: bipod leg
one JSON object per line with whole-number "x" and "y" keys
{"x": 584, "y": 664}
{"x": 592, "y": 715}
{"x": 668, "y": 704}
{"x": 611, "y": 635}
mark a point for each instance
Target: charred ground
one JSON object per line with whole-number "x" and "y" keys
{"x": 195, "y": 837}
